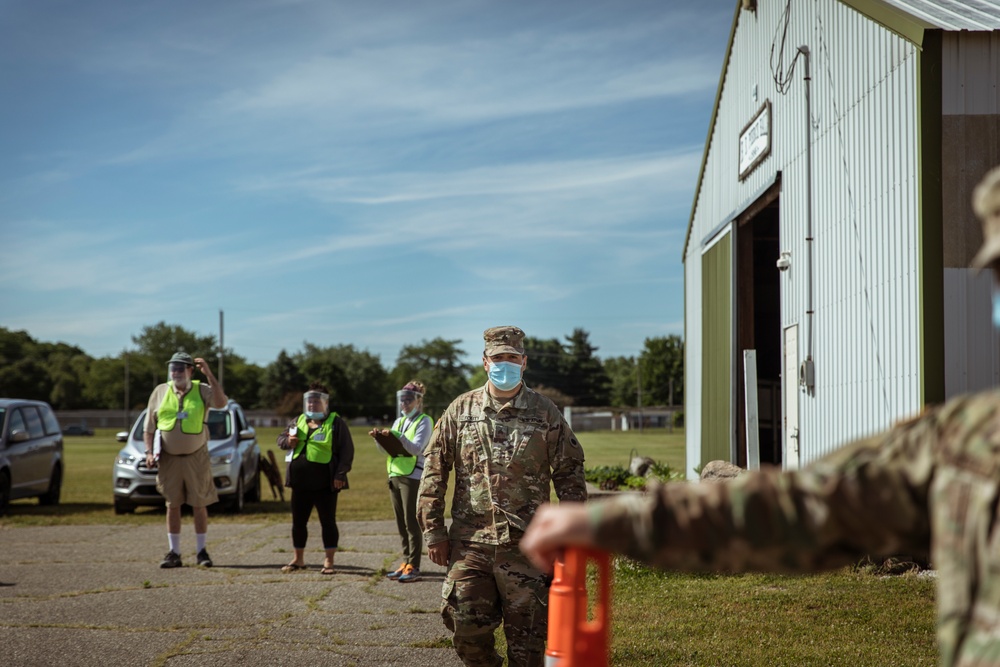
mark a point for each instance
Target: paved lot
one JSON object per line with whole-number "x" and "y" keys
{"x": 94, "y": 595}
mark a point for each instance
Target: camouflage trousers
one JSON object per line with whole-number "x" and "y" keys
{"x": 487, "y": 584}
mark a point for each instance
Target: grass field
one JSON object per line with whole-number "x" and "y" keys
{"x": 849, "y": 617}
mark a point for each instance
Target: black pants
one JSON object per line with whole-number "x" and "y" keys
{"x": 325, "y": 502}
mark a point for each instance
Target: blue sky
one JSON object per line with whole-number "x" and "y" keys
{"x": 375, "y": 173}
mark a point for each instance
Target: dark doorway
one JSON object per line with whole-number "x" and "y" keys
{"x": 758, "y": 323}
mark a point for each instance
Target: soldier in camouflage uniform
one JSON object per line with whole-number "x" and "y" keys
{"x": 927, "y": 487}
{"x": 506, "y": 443}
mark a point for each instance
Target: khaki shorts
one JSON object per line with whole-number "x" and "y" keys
{"x": 187, "y": 479}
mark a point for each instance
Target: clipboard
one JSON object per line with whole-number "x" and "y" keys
{"x": 390, "y": 444}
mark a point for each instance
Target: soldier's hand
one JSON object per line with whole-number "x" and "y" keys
{"x": 439, "y": 553}
{"x": 554, "y": 528}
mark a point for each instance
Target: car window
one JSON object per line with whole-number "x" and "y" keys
{"x": 219, "y": 424}
{"x": 51, "y": 423}
{"x": 34, "y": 421}
{"x": 241, "y": 424}
{"x": 3, "y": 413}
{"x": 16, "y": 423}
{"x": 140, "y": 424}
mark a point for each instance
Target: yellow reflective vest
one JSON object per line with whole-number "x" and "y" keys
{"x": 191, "y": 414}
{"x": 401, "y": 466}
{"x": 319, "y": 443}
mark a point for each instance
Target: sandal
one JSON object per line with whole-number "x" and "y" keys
{"x": 326, "y": 570}
{"x": 293, "y": 567}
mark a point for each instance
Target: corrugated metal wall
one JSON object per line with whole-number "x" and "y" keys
{"x": 866, "y": 342}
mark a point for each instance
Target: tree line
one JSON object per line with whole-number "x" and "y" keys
{"x": 567, "y": 371}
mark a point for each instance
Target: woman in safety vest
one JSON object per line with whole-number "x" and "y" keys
{"x": 413, "y": 431}
{"x": 320, "y": 454}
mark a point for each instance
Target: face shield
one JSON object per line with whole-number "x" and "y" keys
{"x": 408, "y": 402}
{"x": 315, "y": 404}
{"x": 178, "y": 373}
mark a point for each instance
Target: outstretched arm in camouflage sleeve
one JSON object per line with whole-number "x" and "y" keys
{"x": 867, "y": 498}
{"x": 438, "y": 463}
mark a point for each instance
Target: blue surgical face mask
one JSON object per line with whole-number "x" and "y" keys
{"x": 315, "y": 415}
{"x": 505, "y": 375}
{"x": 409, "y": 413}
{"x": 996, "y": 308}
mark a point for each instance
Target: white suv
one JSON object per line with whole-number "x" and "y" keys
{"x": 232, "y": 444}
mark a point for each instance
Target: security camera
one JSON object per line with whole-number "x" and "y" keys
{"x": 784, "y": 261}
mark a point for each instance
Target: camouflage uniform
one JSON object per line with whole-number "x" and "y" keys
{"x": 928, "y": 487}
{"x": 505, "y": 453}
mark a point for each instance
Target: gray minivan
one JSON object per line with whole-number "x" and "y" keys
{"x": 31, "y": 452}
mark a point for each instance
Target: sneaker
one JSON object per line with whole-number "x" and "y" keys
{"x": 203, "y": 559}
{"x": 396, "y": 574}
{"x": 410, "y": 573}
{"x": 172, "y": 559}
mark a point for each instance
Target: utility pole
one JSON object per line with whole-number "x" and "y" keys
{"x": 638, "y": 391}
{"x": 125, "y": 355}
{"x": 222, "y": 365}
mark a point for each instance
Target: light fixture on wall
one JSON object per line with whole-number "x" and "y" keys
{"x": 784, "y": 261}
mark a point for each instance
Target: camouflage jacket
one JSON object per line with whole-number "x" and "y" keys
{"x": 504, "y": 458}
{"x": 928, "y": 487}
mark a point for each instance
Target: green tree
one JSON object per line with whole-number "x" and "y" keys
{"x": 661, "y": 366}
{"x": 242, "y": 380}
{"x": 160, "y": 341}
{"x": 22, "y": 371}
{"x": 436, "y": 363}
{"x": 547, "y": 365}
{"x": 621, "y": 373}
{"x": 282, "y": 386}
{"x": 589, "y": 383}
{"x": 67, "y": 369}
{"x": 356, "y": 377}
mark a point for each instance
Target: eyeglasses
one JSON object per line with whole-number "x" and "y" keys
{"x": 177, "y": 368}
{"x": 406, "y": 400}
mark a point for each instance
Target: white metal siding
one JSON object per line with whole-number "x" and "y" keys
{"x": 865, "y": 200}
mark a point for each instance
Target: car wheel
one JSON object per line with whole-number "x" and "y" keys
{"x": 253, "y": 495}
{"x": 236, "y": 504}
{"x": 123, "y": 506}
{"x": 4, "y": 492}
{"x": 51, "y": 497}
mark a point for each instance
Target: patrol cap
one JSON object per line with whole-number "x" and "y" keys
{"x": 986, "y": 204}
{"x": 181, "y": 358}
{"x": 503, "y": 339}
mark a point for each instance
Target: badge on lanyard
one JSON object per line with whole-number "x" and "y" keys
{"x": 319, "y": 436}
{"x": 182, "y": 414}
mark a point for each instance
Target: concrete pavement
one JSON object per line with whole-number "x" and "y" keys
{"x": 95, "y": 595}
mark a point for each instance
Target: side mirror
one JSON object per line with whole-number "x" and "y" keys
{"x": 247, "y": 434}
{"x": 19, "y": 436}
{"x": 121, "y": 436}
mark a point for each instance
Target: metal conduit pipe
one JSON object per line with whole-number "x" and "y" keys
{"x": 807, "y": 373}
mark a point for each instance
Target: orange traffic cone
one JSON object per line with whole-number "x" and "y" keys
{"x": 573, "y": 640}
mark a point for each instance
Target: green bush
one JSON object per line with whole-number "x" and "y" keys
{"x": 612, "y": 478}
